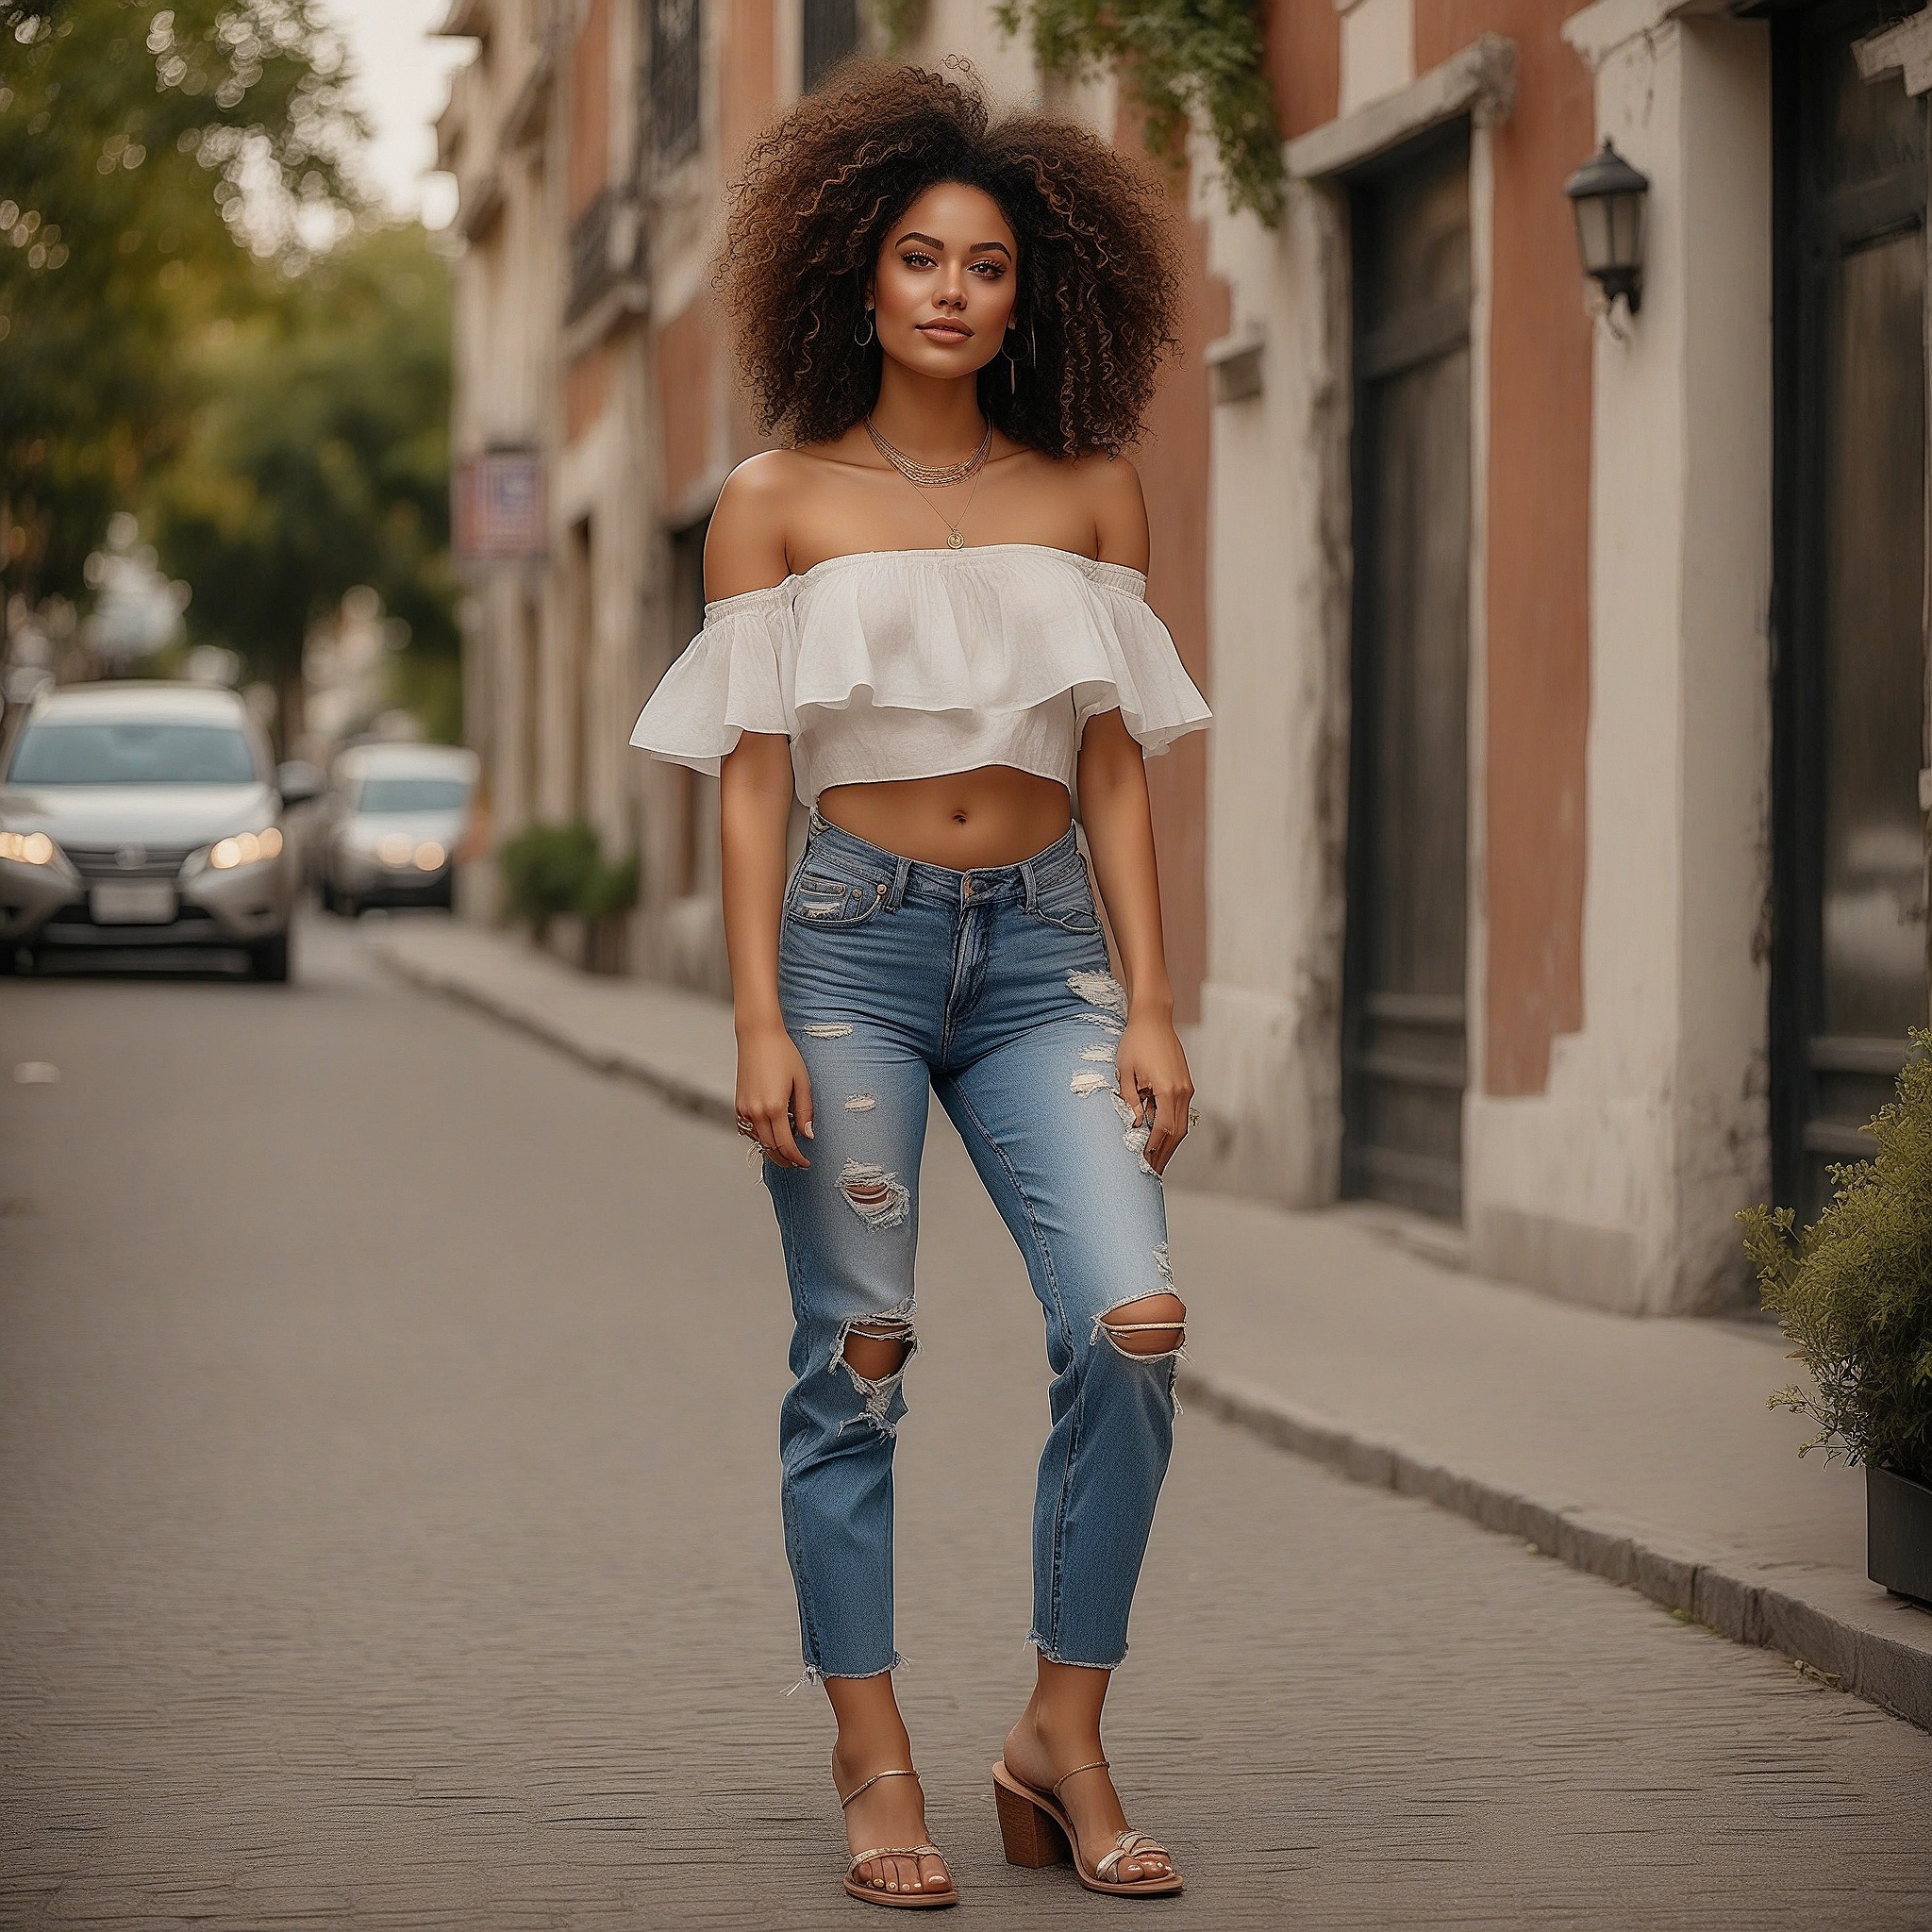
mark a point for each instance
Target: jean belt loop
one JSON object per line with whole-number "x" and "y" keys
{"x": 901, "y": 876}
{"x": 1031, "y": 884}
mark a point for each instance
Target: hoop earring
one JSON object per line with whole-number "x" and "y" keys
{"x": 865, "y": 341}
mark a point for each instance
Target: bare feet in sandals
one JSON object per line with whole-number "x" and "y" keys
{"x": 892, "y": 1860}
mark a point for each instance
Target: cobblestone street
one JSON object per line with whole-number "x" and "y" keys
{"x": 388, "y": 1537}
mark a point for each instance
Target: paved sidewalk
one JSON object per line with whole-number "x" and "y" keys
{"x": 1640, "y": 1451}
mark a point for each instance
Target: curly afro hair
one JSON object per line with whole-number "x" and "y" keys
{"x": 1099, "y": 280}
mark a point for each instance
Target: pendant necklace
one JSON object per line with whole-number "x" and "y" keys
{"x": 925, "y": 476}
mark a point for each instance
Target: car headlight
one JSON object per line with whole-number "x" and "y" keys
{"x": 28, "y": 848}
{"x": 244, "y": 848}
{"x": 399, "y": 852}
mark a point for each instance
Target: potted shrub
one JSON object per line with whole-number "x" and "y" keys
{"x": 1853, "y": 1294}
{"x": 606, "y": 892}
{"x": 544, "y": 867}
{"x": 554, "y": 874}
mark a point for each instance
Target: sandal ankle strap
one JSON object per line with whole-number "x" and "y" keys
{"x": 873, "y": 1780}
{"x": 1098, "y": 1764}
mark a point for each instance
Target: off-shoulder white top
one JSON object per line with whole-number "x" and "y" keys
{"x": 910, "y": 663}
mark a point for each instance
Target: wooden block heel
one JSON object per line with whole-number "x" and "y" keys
{"x": 1029, "y": 1836}
{"x": 1036, "y": 1830}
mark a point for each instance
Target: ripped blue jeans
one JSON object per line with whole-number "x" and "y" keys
{"x": 990, "y": 987}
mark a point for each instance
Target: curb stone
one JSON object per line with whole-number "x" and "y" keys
{"x": 600, "y": 1056}
{"x": 1733, "y": 1602}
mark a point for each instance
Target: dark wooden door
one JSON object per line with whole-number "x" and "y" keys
{"x": 1403, "y": 1017}
{"x": 1849, "y": 956}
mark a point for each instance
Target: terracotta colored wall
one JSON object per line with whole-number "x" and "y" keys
{"x": 586, "y": 390}
{"x": 590, "y": 121}
{"x": 1174, "y": 460}
{"x": 686, "y": 372}
{"x": 1301, "y": 43}
{"x": 1538, "y": 515}
{"x": 747, "y": 75}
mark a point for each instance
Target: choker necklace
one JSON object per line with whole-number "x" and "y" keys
{"x": 930, "y": 475}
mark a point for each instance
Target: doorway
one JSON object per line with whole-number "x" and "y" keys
{"x": 1848, "y": 964}
{"x": 1405, "y": 965}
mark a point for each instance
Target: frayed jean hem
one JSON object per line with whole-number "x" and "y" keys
{"x": 814, "y": 1675}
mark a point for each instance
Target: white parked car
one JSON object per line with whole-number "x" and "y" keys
{"x": 393, "y": 825}
{"x": 145, "y": 815}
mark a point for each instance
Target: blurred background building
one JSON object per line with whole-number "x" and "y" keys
{"x": 1555, "y": 871}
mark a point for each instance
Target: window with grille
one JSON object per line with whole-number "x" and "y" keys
{"x": 676, "y": 44}
{"x": 831, "y": 32}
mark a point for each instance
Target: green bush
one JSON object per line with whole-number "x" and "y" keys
{"x": 553, "y": 869}
{"x": 609, "y": 887}
{"x": 1854, "y": 1291}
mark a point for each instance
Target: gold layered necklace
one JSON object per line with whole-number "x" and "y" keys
{"x": 925, "y": 476}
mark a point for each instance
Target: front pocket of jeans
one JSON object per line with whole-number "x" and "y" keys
{"x": 1070, "y": 908}
{"x": 816, "y": 900}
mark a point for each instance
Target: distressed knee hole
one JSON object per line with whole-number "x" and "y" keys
{"x": 831, "y": 1029}
{"x": 861, "y": 1103}
{"x": 1154, "y": 1325}
{"x": 880, "y": 1199}
{"x": 876, "y": 1351}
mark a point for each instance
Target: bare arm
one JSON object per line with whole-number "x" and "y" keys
{"x": 744, "y": 550}
{"x": 1120, "y": 835}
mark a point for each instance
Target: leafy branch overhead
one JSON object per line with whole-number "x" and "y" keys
{"x": 1176, "y": 58}
{"x": 141, "y": 144}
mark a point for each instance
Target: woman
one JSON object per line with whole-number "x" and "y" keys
{"x": 927, "y": 616}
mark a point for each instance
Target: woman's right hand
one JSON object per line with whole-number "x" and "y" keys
{"x": 774, "y": 1092}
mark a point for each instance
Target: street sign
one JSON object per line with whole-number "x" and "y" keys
{"x": 499, "y": 507}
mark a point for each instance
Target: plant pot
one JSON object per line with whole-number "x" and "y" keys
{"x": 1898, "y": 1534}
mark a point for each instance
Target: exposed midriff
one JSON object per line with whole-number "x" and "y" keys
{"x": 994, "y": 815}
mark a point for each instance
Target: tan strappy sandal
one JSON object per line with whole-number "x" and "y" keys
{"x": 1036, "y": 1830}
{"x": 878, "y": 1894}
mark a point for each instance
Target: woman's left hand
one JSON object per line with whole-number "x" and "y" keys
{"x": 1154, "y": 1073}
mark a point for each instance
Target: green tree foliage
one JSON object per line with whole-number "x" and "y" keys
{"x": 320, "y": 460}
{"x": 1854, "y": 1291}
{"x": 127, "y": 132}
{"x": 1176, "y": 57}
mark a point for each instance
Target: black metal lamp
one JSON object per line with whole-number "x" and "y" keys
{"x": 1606, "y": 194}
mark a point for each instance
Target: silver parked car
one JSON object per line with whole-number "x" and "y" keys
{"x": 145, "y": 815}
{"x": 393, "y": 825}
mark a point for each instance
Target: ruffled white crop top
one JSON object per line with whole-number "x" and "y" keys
{"x": 910, "y": 663}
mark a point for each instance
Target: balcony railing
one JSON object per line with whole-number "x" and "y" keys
{"x": 607, "y": 250}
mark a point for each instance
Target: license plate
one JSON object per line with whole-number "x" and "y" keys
{"x": 134, "y": 902}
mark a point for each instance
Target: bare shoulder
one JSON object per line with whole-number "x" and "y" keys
{"x": 1111, "y": 489}
{"x": 745, "y": 545}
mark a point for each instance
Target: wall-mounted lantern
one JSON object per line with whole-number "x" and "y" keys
{"x": 1606, "y": 194}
